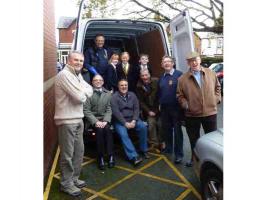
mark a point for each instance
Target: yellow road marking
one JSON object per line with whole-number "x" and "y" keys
{"x": 154, "y": 177}
{"x": 88, "y": 162}
{"x": 49, "y": 182}
{"x": 184, "y": 194}
{"x": 129, "y": 176}
{"x": 182, "y": 178}
{"x": 86, "y": 157}
{"x": 97, "y": 193}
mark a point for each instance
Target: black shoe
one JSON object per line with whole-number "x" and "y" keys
{"x": 111, "y": 161}
{"x": 101, "y": 163}
{"x": 178, "y": 160}
{"x": 145, "y": 155}
{"x": 189, "y": 163}
{"x": 136, "y": 161}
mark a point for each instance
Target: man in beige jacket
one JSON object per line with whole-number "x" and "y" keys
{"x": 198, "y": 92}
{"x": 71, "y": 91}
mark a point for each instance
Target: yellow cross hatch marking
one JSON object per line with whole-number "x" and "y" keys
{"x": 185, "y": 183}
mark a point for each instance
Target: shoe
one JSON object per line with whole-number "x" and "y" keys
{"x": 145, "y": 155}
{"x": 79, "y": 183}
{"x": 101, "y": 163}
{"x": 111, "y": 161}
{"x": 178, "y": 160}
{"x": 189, "y": 163}
{"x": 72, "y": 190}
{"x": 136, "y": 161}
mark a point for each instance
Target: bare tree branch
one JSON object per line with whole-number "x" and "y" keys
{"x": 201, "y": 5}
{"x": 154, "y": 11}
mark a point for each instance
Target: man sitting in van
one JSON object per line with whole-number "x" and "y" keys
{"x": 125, "y": 110}
{"x": 96, "y": 59}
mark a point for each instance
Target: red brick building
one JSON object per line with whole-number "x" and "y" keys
{"x": 49, "y": 67}
{"x": 66, "y": 27}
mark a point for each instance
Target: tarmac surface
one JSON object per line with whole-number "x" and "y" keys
{"x": 157, "y": 178}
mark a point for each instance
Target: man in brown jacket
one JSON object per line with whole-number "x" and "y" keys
{"x": 198, "y": 92}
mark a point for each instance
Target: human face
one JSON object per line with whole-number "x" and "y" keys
{"x": 99, "y": 41}
{"x": 115, "y": 60}
{"x": 76, "y": 61}
{"x": 123, "y": 87}
{"x": 194, "y": 64}
{"x": 97, "y": 81}
{"x": 144, "y": 60}
{"x": 125, "y": 58}
{"x": 167, "y": 64}
{"x": 145, "y": 77}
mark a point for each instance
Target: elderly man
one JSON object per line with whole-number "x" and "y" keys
{"x": 146, "y": 92}
{"x": 97, "y": 110}
{"x": 198, "y": 92}
{"x": 96, "y": 59}
{"x": 171, "y": 113}
{"x": 125, "y": 109}
{"x": 71, "y": 91}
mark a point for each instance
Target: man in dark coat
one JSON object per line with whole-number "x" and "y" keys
{"x": 96, "y": 59}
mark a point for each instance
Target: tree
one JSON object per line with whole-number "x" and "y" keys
{"x": 206, "y": 15}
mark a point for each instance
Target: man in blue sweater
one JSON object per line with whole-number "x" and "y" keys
{"x": 171, "y": 113}
{"x": 125, "y": 110}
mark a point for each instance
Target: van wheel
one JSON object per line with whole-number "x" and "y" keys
{"x": 212, "y": 184}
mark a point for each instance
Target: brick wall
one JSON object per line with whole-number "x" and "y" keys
{"x": 66, "y": 35}
{"x": 49, "y": 67}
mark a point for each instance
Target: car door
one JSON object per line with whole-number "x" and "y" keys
{"x": 182, "y": 39}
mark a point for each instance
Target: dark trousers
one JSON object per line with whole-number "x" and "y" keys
{"x": 171, "y": 124}
{"x": 104, "y": 136}
{"x": 193, "y": 124}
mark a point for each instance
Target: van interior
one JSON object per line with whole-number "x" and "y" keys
{"x": 135, "y": 37}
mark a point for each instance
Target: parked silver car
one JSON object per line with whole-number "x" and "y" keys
{"x": 209, "y": 164}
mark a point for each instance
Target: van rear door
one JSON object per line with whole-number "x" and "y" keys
{"x": 182, "y": 39}
{"x": 79, "y": 25}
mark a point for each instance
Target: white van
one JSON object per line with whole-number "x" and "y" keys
{"x": 139, "y": 36}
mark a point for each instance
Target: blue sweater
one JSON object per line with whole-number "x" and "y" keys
{"x": 167, "y": 85}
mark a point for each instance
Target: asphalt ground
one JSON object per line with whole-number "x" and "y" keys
{"x": 157, "y": 178}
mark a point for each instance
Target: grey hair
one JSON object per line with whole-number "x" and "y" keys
{"x": 74, "y": 52}
{"x": 144, "y": 70}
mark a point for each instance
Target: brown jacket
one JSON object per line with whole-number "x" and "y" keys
{"x": 196, "y": 101}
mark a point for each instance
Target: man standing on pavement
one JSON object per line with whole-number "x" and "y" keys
{"x": 171, "y": 113}
{"x": 71, "y": 91}
{"x": 96, "y": 59}
{"x": 125, "y": 109}
{"x": 198, "y": 92}
{"x": 97, "y": 110}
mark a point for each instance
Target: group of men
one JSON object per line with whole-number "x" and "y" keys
{"x": 173, "y": 97}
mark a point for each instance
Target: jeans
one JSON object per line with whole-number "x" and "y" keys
{"x": 170, "y": 126}
{"x": 129, "y": 149}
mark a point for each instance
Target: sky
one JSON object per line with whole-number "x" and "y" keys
{"x": 66, "y": 8}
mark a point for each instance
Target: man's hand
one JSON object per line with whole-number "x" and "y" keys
{"x": 128, "y": 125}
{"x": 151, "y": 114}
{"x": 100, "y": 124}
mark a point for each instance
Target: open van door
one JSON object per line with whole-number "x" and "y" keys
{"x": 182, "y": 39}
{"x": 79, "y": 26}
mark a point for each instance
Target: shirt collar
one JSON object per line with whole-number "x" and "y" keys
{"x": 171, "y": 72}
